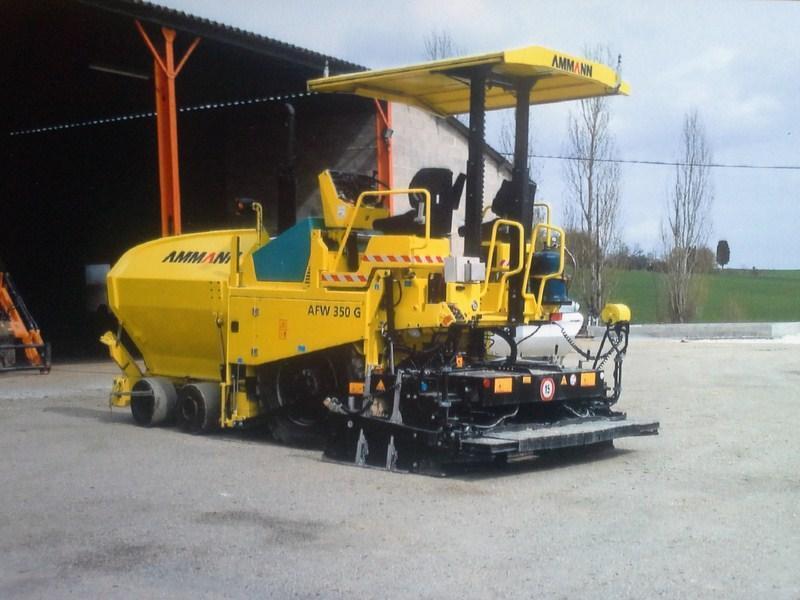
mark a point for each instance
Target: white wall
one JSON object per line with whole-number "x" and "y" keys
{"x": 424, "y": 140}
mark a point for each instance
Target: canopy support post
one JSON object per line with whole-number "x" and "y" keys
{"x": 473, "y": 211}
{"x": 524, "y": 200}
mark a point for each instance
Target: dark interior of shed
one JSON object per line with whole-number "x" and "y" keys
{"x": 80, "y": 178}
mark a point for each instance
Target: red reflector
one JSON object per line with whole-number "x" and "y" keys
{"x": 487, "y": 383}
{"x": 556, "y": 316}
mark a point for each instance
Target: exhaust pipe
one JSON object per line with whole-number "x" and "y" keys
{"x": 287, "y": 181}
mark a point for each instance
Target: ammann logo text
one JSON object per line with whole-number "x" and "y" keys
{"x": 197, "y": 257}
{"x": 574, "y": 66}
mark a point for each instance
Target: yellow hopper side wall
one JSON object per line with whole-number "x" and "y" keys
{"x": 170, "y": 294}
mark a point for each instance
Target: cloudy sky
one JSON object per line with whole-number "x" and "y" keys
{"x": 737, "y": 63}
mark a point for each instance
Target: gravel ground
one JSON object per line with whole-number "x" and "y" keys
{"x": 93, "y": 506}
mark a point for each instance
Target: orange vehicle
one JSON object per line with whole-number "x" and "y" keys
{"x": 21, "y": 344}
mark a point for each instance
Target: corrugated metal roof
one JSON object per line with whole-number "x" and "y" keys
{"x": 214, "y": 30}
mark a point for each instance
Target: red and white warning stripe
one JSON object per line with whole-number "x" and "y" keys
{"x": 397, "y": 258}
{"x": 344, "y": 277}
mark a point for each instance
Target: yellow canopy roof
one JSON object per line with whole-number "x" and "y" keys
{"x": 441, "y": 87}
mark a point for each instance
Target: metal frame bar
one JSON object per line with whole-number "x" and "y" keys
{"x": 43, "y": 350}
{"x": 379, "y": 194}
{"x": 473, "y": 210}
{"x": 520, "y": 182}
{"x": 165, "y": 72}
{"x": 520, "y": 259}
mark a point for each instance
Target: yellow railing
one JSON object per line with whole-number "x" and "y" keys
{"x": 543, "y": 205}
{"x": 546, "y": 208}
{"x": 529, "y": 262}
{"x": 490, "y": 259}
{"x": 380, "y": 193}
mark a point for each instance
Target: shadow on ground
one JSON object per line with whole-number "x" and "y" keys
{"x": 253, "y": 434}
{"x": 554, "y": 459}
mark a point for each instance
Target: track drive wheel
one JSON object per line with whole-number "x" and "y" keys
{"x": 199, "y": 407}
{"x": 295, "y": 390}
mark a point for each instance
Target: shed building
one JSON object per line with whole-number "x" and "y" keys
{"x": 80, "y": 168}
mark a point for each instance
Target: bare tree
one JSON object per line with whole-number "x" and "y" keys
{"x": 505, "y": 142}
{"x": 593, "y": 190}
{"x": 439, "y": 44}
{"x": 687, "y": 224}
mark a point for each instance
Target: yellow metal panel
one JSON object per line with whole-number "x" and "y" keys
{"x": 588, "y": 379}
{"x": 338, "y": 212}
{"x": 615, "y": 313}
{"x": 273, "y": 327}
{"x": 437, "y": 86}
{"x": 246, "y": 407}
{"x": 503, "y": 385}
{"x": 121, "y": 392}
{"x": 170, "y": 294}
{"x": 120, "y": 355}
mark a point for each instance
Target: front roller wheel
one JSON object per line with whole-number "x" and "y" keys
{"x": 153, "y": 401}
{"x": 295, "y": 390}
{"x": 199, "y": 407}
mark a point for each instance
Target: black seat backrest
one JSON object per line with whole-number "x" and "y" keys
{"x": 437, "y": 181}
{"x": 503, "y": 204}
{"x": 457, "y": 189}
{"x": 445, "y": 198}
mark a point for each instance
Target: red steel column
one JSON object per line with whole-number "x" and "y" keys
{"x": 383, "y": 141}
{"x": 165, "y": 72}
{"x": 166, "y": 171}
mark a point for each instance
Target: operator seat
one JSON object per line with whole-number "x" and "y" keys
{"x": 504, "y": 205}
{"x": 445, "y": 198}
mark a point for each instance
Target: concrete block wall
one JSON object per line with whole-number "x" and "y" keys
{"x": 255, "y": 143}
{"x": 423, "y": 140}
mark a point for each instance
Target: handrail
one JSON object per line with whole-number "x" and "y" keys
{"x": 543, "y": 205}
{"x": 259, "y": 210}
{"x": 546, "y": 207}
{"x": 490, "y": 258}
{"x": 529, "y": 262}
{"x": 378, "y": 193}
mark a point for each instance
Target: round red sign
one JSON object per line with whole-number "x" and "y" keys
{"x": 547, "y": 389}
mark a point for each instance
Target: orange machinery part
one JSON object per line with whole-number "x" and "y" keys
{"x": 18, "y": 327}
